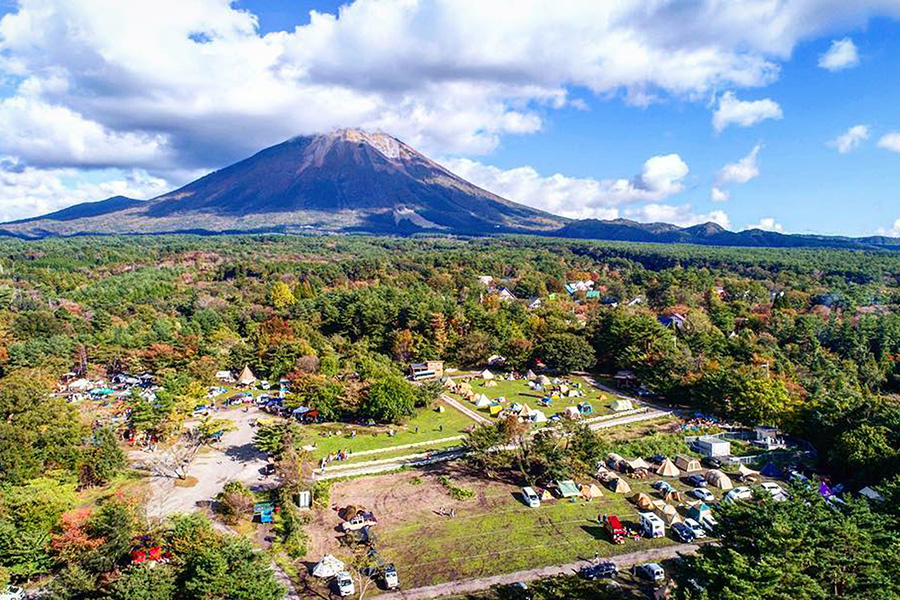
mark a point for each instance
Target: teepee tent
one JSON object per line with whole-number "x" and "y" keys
{"x": 668, "y": 469}
{"x": 487, "y": 375}
{"x": 544, "y": 380}
{"x": 247, "y": 377}
{"x": 643, "y": 501}
{"x": 530, "y": 376}
{"x": 771, "y": 470}
{"x": 718, "y": 479}
{"x": 482, "y": 401}
{"x": 619, "y": 485}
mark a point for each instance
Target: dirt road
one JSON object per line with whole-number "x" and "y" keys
{"x": 457, "y": 588}
{"x": 232, "y": 459}
{"x": 466, "y": 410}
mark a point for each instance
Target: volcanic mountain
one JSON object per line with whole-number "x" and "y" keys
{"x": 347, "y": 181}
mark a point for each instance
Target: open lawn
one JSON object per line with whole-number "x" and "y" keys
{"x": 375, "y": 442}
{"x": 518, "y": 391}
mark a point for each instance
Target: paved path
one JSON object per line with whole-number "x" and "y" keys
{"x": 381, "y": 466}
{"x": 412, "y": 445}
{"x": 458, "y": 588}
{"x": 466, "y": 410}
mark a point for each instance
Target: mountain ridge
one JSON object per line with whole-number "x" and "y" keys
{"x": 352, "y": 181}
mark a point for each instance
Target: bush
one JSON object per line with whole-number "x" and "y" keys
{"x": 456, "y": 492}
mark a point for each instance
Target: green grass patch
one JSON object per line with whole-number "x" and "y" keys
{"x": 518, "y": 391}
{"x": 456, "y": 492}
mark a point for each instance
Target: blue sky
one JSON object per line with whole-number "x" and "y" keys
{"x": 583, "y": 109}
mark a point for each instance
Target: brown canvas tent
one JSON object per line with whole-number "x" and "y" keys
{"x": 669, "y": 514}
{"x": 591, "y": 491}
{"x": 247, "y": 377}
{"x": 643, "y": 501}
{"x": 673, "y": 497}
{"x": 619, "y": 485}
{"x": 687, "y": 463}
{"x": 449, "y": 384}
{"x": 668, "y": 469}
{"x": 718, "y": 479}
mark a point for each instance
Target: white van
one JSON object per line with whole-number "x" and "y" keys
{"x": 652, "y": 525}
{"x": 531, "y": 497}
{"x": 345, "y": 584}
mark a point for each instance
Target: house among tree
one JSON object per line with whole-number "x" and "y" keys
{"x": 427, "y": 370}
{"x": 246, "y": 378}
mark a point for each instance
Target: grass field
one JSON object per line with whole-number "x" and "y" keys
{"x": 427, "y": 426}
{"x": 518, "y": 391}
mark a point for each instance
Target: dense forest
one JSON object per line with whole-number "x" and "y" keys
{"x": 806, "y": 340}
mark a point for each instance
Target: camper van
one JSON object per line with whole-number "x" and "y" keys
{"x": 345, "y": 584}
{"x": 531, "y": 498}
{"x": 652, "y": 525}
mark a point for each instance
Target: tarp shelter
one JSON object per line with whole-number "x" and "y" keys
{"x": 591, "y": 491}
{"x": 619, "y": 485}
{"x": 328, "y": 567}
{"x": 621, "y": 405}
{"x": 530, "y": 376}
{"x": 718, "y": 479}
{"x": 567, "y": 488}
{"x": 638, "y": 463}
{"x": 871, "y": 494}
{"x": 643, "y": 501}
{"x": 247, "y": 377}
{"x": 687, "y": 464}
{"x": 544, "y": 380}
{"x": 668, "y": 469}
{"x": 771, "y": 470}
{"x": 746, "y": 472}
{"x": 487, "y": 375}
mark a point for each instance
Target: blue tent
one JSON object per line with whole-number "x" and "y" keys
{"x": 771, "y": 470}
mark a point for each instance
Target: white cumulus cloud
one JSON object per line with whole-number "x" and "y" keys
{"x": 851, "y": 139}
{"x": 890, "y": 141}
{"x": 743, "y": 113}
{"x": 893, "y": 231}
{"x": 717, "y": 194}
{"x": 841, "y": 55}
{"x": 661, "y": 176}
{"x": 677, "y": 215}
{"x": 767, "y": 224}
{"x": 742, "y": 171}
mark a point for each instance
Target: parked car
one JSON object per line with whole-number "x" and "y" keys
{"x": 13, "y": 593}
{"x": 695, "y": 527}
{"x": 702, "y": 494}
{"x": 683, "y": 533}
{"x": 600, "y": 571}
{"x": 391, "y": 579}
{"x": 696, "y": 481}
{"x": 711, "y": 462}
{"x": 709, "y": 523}
{"x": 738, "y": 493}
{"x": 531, "y": 497}
{"x": 776, "y": 491}
{"x": 650, "y": 572}
{"x": 345, "y": 584}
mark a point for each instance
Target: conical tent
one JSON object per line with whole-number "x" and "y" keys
{"x": 482, "y": 401}
{"x": 487, "y": 374}
{"x": 544, "y": 380}
{"x": 643, "y": 501}
{"x": 247, "y": 377}
{"x": 668, "y": 469}
{"x": 591, "y": 491}
{"x": 770, "y": 470}
{"x": 619, "y": 485}
{"x": 530, "y": 376}
{"x": 718, "y": 479}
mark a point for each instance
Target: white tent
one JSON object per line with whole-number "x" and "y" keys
{"x": 719, "y": 479}
{"x": 328, "y": 567}
{"x": 638, "y": 463}
{"x": 621, "y": 405}
{"x": 487, "y": 374}
{"x": 538, "y": 416}
{"x": 544, "y": 380}
{"x": 247, "y": 377}
{"x": 482, "y": 401}
{"x": 490, "y": 383}
{"x": 530, "y": 376}
{"x": 80, "y": 385}
{"x": 668, "y": 469}
{"x": 449, "y": 384}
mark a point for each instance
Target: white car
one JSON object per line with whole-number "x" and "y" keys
{"x": 776, "y": 491}
{"x": 738, "y": 493}
{"x": 695, "y": 527}
{"x": 13, "y": 593}
{"x": 709, "y": 523}
{"x": 345, "y": 584}
{"x": 702, "y": 494}
{"x": 531, "y": 497}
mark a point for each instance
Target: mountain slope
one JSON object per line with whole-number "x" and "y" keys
{"x": 87, "y": 209}
{"x": 348, "y": 181}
